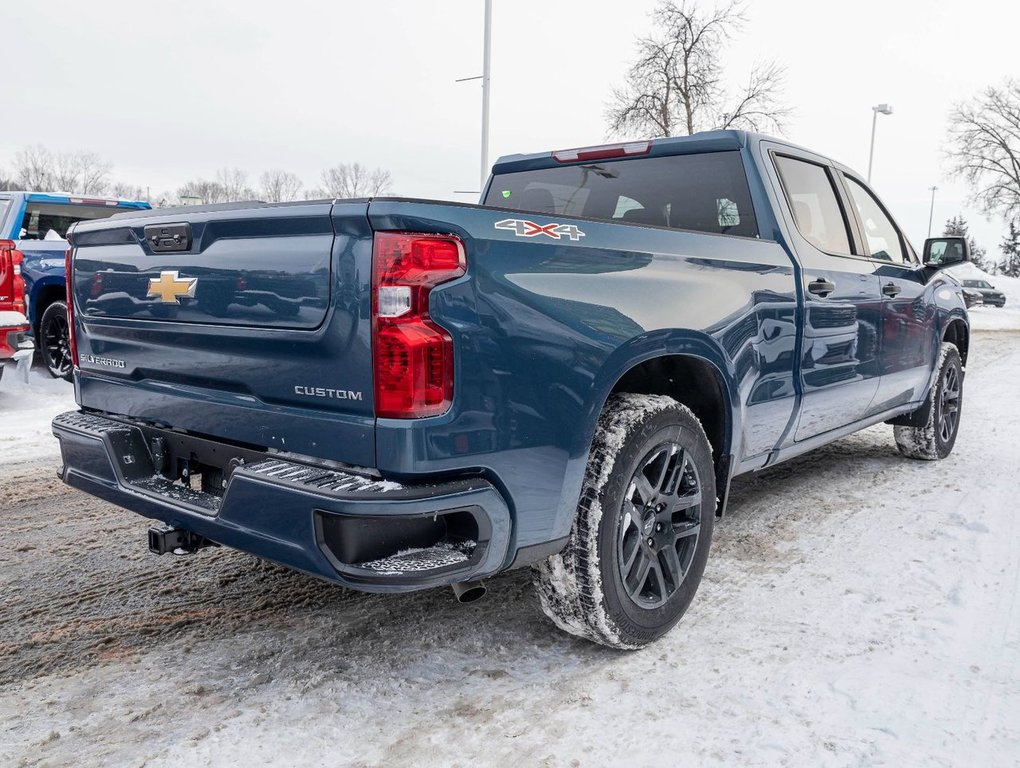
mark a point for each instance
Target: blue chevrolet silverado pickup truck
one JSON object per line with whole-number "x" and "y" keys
{"x": 33, "y": 226}
{"x": 395, "y": 394}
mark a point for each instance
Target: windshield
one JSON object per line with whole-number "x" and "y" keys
{"x": 976, "y": 284}
{"x": 704, "y": 192}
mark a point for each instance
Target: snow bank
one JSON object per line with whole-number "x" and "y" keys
{"x": 26, "y": 411}
{"x": 984, "y": 318}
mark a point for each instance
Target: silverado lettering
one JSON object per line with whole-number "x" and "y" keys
{"x": 576, "y": 396}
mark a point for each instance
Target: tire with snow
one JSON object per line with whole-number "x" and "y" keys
{"x": 55, "y": 341}
{"x": 643, "y": 527}
{"x": 932, "y": 433}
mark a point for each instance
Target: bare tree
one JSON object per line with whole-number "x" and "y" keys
{"x": 34, "y": 167}
{"x": 676, "y": 85}
{"x": 356, "y": 180}
{"x": 984, "y": 148}
{"x": 234, "y": 182}
{"x": 83, "y": 172}
{"x": 201, "y": 191}
{"x": 7, "y": 183}
{"x": 128, "y": 191}
{"x": 277, "y": 186}
{"x": 316, "y": 193}
{"x": 40, "y": 170}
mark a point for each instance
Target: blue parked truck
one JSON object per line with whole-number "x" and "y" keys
{"x": 395, "y": 394}
{"x": 34, "y": 225}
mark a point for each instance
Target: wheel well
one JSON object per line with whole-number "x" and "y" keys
{"x": 47, "y": 295}
{"x": 691, "y": 381}
{"x": 957, "y": 333}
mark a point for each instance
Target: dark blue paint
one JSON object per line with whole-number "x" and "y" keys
{"x": 543, "y": 330}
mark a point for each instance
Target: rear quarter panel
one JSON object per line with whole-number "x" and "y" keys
{"x": 544, "y": 328}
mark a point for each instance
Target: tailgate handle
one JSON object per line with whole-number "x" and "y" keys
{"x": 168, "y": 237}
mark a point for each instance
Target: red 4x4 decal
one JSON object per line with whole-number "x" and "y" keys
{"x": 525, "y": 228}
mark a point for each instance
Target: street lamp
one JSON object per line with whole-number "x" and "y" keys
{"x": 931, "y": 211}
{"x": 883, "y": 109}
{"x": 484, "y": 77}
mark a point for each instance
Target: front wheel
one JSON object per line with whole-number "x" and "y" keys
{"x": 55, "y": 341}
{"x": 643, "y": 527}
{"x": 937, "y": 422}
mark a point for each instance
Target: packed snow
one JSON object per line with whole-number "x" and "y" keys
{"x": 26, "y": 410}
{"x": 858, "y": 608}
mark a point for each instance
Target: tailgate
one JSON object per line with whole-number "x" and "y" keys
{"x": 245, "y": 322}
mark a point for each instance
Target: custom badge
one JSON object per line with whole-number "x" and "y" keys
{"x": 525, "y": 228}
{"x": 170, "y": 286}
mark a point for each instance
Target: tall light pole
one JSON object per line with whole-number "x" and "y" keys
{"x": 484, "y": 77}
{"x": 883, "y": 109}
{"x": 931, "y": 211}
{"x": 486, "y": 68}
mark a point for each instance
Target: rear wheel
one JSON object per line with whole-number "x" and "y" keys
{"x": 938, "y": 420}
{"x": 55, "y": 341}
{"x": 643, "y": 528}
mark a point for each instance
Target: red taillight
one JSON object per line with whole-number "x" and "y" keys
{"x": 604, "y": 152}
{"x": 13, "y": 282}
{"x": 73, "y": 342}
{"x": 413, "y": 357}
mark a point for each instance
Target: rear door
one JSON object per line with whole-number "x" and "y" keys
{"x": 839, "y": 362}
{"x": 246, "y": 322}
{"x": 908, "y": 343}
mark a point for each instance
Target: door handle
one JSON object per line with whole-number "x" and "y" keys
{"x": 891, "y": 290}
{"x": 821, "y": 287}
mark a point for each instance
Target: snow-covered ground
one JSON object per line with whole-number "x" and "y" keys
{"x": 26, "y": 410}
{"x": 858, "y": 609}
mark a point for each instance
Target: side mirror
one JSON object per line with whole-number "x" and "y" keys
{"x": 942, "y": 252}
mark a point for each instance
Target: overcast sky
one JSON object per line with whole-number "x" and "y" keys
{"x": 169, "y": 91}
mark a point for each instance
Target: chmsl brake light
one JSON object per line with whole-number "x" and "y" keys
{"x": 10, "y": 262}
{"x": 603, "y": 152}
{"x": 71, "y": 337}
{"x": 412, "y": 356}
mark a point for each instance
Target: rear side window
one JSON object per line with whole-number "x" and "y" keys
{"x": 814, "y": 204}
{"x": 704, "y": 192}
{"x": 4, "y": 205}
{"x": 881, "y": 234}
{"x": 50, "y": 221}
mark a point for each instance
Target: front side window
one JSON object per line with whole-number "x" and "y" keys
{"x": 881, "y": 234}
{"x": 815, "y": 207}
{"x": 705, "y": 192}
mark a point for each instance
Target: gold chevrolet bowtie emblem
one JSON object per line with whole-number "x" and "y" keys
{"x": 170, "y": 286}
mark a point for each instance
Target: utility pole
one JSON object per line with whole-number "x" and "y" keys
{"x": 931, "y": 211}
{"x": 883, "y": 109}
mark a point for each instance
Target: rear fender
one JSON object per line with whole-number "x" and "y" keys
{"x": 633, "y": 353}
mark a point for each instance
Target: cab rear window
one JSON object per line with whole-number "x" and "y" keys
{"x": 705, "y": 192}
{"x": 50, "y": 221}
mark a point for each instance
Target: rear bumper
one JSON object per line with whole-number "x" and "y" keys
{"x": 359, "y": 531}
{"x": 13, "y": 327}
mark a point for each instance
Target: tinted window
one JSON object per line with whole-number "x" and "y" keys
{"x": 50, "y": 221}
{"x": 705, "y": 192}
{"x": 976, "y": 284}
{"x": 814, "y": 204}
{"x": 883, "y": 239}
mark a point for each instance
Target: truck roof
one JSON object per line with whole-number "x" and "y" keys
{"x": 705, "y": 141}
{"x": 67, "y": 198}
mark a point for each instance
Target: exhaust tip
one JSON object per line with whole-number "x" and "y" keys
{"x": 469, "y": 591}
